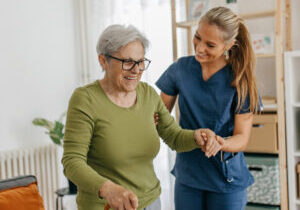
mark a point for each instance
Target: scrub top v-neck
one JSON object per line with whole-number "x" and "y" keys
{"x": 206, "y": 104}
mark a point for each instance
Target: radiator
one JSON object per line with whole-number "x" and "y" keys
{"x": 41, "y": 162}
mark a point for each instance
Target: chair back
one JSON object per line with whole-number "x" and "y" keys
{"x": 20, "y": 193}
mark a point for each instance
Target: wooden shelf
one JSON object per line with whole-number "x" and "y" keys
{"x": 268, "y": 13}
{"x": 260, "y": 55}
{"x": 191, "y": 23}
{"x": 293, "y": 53}
{"x": 296, "y": 105}
{"x": 270, "y": 107}
{"x": 187, "y": 24}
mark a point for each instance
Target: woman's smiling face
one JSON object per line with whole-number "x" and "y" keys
{"x": 209, "y": 44}
{"x": 126, "y": 81}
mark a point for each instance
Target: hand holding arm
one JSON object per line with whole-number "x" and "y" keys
{"x": 211, "y": 144}
{"x": 199, "y": 139}
{"x": 205, "y": 138}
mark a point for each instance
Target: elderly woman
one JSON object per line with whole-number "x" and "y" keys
{"x": 111, "y": 138}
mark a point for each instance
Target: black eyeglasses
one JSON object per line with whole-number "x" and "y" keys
{"x": 129, "y": 64}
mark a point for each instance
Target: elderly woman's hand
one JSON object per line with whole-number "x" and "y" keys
{"x": 118, "y": 197}
{"x": 207, "y": 140}
{"x": 214, "y": 143}
{"x": 199, "y": 138}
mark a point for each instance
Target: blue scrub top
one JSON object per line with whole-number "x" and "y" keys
{"x": 206, "y": 104}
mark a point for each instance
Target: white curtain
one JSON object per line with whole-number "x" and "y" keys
{"x": 153, "y": 18}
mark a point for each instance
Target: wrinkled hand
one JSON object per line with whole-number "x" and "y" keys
{"x": 208, "y": 141}
{"x": 213, "y": 143}
{"x": 118, "y": 197}
{"x": 199, "y": 138}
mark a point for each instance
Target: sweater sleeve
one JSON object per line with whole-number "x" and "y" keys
{"x": 173, "y": 135}
{"x": 77, "y": 139}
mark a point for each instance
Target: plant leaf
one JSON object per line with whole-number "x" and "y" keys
{"x": 43, "y": 123}
{"x": 56, "y": 139}
{"x": 56, "y": 134}
{"x": 58, "y": 129}
{"x": 55, "y": 129}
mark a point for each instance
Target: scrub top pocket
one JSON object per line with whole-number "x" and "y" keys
{"x": 230, "y": 166}
{"x": 233, "y": 167}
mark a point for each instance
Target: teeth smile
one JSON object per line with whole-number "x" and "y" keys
{"x": 131, "y": 78}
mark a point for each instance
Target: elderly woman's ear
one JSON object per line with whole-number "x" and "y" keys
{"x": 103, "y": 61}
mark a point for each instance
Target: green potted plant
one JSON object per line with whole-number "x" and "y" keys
{"x": 55, "y": 130}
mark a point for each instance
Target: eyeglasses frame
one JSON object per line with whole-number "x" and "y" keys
{"x": 135, "y": 62}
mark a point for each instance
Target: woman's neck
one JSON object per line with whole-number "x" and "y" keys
{"x": 209, "y": 69}
{"x": 120, "y": 98}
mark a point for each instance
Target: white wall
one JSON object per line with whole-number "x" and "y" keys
{"x": 38, "y": 67}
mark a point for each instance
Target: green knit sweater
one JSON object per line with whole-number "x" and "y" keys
{"x": 106, "y": 142}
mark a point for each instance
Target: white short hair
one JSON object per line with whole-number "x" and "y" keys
{"x": 116, "y": 36}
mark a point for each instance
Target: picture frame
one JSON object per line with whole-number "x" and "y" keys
{"x": 196, "y": 9}
{"x": 262, "y": 43}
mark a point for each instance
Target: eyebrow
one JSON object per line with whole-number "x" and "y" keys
{"x": 209, "y": 42}
{"x": 131, "y": 59}
{"x": 136, "y": 60}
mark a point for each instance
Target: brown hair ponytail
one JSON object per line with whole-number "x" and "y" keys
{"x": 242, "y": 60}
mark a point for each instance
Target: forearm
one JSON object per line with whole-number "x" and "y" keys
{"x": 241, "y": 133}
{"x": 235, "y": 143}
{"x": 81, "y": 174}
{"x": 178, "y": 139}
{"x": 174, "y": 136}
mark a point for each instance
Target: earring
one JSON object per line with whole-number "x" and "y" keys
{"x": 226, "y": 54}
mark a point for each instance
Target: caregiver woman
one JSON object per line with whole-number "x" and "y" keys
{"x": 217, "y": 90}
